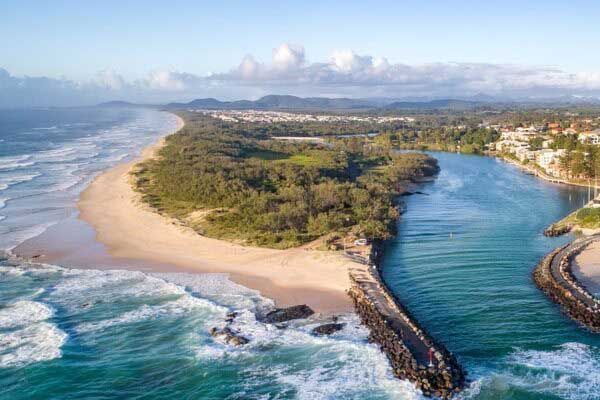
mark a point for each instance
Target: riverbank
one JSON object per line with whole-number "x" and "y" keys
{"x": 131, "y": 230}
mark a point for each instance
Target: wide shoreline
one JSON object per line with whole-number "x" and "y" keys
{"x": 131, "y": 231}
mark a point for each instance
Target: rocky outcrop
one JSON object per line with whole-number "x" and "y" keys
{"x": 287, "y": 314}
{"x": 413, "y": 355}
{"x": 328, "y": 329}
{"x": 554, "y": 276}
{"x": 226, "y": 335}
{"x": 554, "y": 230}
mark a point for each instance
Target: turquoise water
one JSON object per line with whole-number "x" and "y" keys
{"x": 462, "y": 264}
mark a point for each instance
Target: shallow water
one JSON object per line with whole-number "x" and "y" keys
{"x": 462, "y": 264}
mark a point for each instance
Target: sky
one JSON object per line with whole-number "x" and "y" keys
{"x": 80, "y": 52}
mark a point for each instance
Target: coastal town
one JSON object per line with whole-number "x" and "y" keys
{"x": 279, "y": 116}
{"x": 549, "y": 147}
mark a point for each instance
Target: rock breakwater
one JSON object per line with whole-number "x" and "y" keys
{"x": 554, "y": 276}
{"x": 413, "y": 355}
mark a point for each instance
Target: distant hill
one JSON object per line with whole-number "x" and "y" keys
{"x": 287, "y": 102}
{"x": 119, "y": 103}
{"x": 278, "y": 102}
{"x": 434, "y": 105}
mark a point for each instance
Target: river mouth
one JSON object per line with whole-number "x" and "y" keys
{"x": 461, "y": 263}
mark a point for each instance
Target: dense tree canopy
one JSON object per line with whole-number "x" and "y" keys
{"x": 231, "y": 181}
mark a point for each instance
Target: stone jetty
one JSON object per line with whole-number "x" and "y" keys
{"x": 413, "y": 355}
{"x": 554, "y": 276}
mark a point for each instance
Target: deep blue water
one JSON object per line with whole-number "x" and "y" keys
{"x": 462, "y": 264}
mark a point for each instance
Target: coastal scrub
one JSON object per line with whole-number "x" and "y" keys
{"x": 230, "y": 181}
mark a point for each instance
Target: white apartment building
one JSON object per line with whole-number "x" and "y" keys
{"x": 510, "y": 145}
{"x": 523, "y": 135}
{"x": 547, "y": 157}
{"x": 523, "y": 153}
{"x": 590, "y": 137}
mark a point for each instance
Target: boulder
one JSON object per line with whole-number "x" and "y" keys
{"x": 228, "y": 336}
{"x": 327, "y": 329}
{"x": 231, "y": 316}
{"x": 287, "y": 314}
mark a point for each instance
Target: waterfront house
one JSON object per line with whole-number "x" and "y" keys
{"x": 547, "y": 157}
{"x": 592, "y": 137}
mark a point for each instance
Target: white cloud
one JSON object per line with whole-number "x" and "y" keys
{"x": 249, "y": 68}
{"x": 345, "y": 70}
{"x": 345, "y": 73}
{"x": 288, "y": 57}
{"x": 346, "y": 61}
{"x": 166, "y": 80}
{"x": 109, "y": 79}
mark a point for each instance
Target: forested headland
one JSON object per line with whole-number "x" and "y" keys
{"x": 232, "y": 181}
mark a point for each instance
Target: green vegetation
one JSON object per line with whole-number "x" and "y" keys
{"x": 463, "y": 139}
{"x": 585, "y": 217}
{"x": 230, "y": 181}
{"x": 588, "y": 217}
{"x": 581, "y": 160}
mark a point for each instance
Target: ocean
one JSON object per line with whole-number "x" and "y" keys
{"x": 82, "y": 333}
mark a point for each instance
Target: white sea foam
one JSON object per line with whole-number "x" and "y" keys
{"x": 55, "y": 153}
{"x": 3, "y": 202}
{"x": 67, "y": 182}
{"x": 37, "y": 342}
{"x": 119, "y": 283}
{"x": 6, "y": 160}
{"x": 15, "y": 165}
{"x": 342, "y": 365}
{"x": 23, "y": 313}
{"x": 184, "y": 305}
{"x": 117, "y": 158}
{"x": 571, "y": 372}
{"x": 9, "y": 180}
{"x": 219, "y": 288}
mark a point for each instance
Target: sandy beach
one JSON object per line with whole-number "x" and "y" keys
{"x": 587, "y": 267}
{"x": 130, "y": 230}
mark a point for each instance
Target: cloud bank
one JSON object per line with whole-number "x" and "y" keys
{"x": 345, "y": 73}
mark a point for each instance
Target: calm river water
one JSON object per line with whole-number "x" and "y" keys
{"x": 462, "y": 264}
